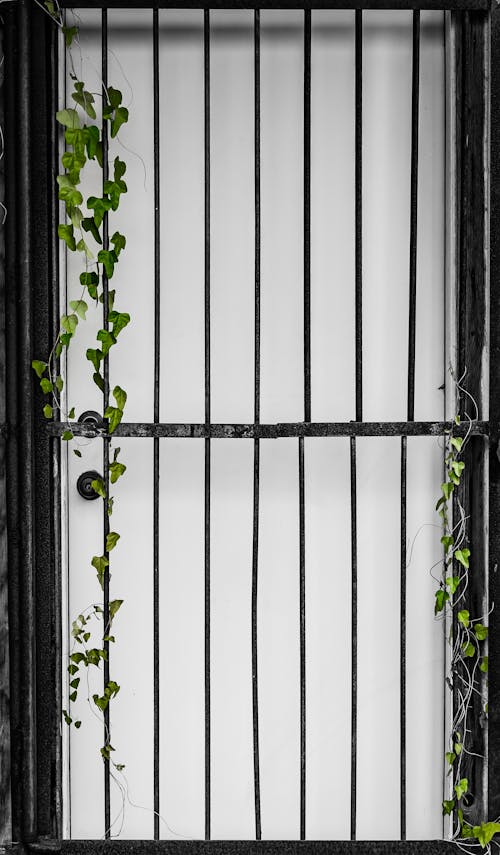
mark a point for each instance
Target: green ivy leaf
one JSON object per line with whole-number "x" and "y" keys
{"x": 69, "y": 323}
{"x": 87, "y": 279}
{"x": 116, "y": 470}
{"x": 68, "y": 193}
{"x": 89, "y": 225}
{"x": 98, "y": 486}
{"x": 463, "y": 617}
{"x": 113, "y": 608}
{"x": 92, "y": 141}
{"x": 100, "y": 208}
{"x": 448, "y": 806}
{"x": 69, "y": 34}
{"x": 481, "y": 631}
{"x": 95, "y": 357}
{"x": 484, "y": 665}
{"x": 38, "y": 367}
{"x": 47, "y": 411}
{"x": 112, "y": 689}
{"x": 75, "y": 216}
{"x": 108, "y": 340}
{"x": 111, "y": 540}
{"x": 447, "y": 540}
{"x": 67, "y": 435}
{"x": 83, "y": 247}
{"x": 114, "y": 99}
{"x": 466, "y": 830}
{"x": 450, "y": 757}
{"x": 119, "y": 168}
{"x": 119, "y": 242}
{"x": 485, "y": 832}
{"x": 463, "y": 555}
{"x": 59, "y": 384}
{"x": 114, "y": 414}
{"x": 71, "y": 414}
{"x": 441, "y": 598}
{"x": 77, "y": 452}
{"x": 46, "y": 386}
{"x": 65, "y": 339}
{"x": 119, "y": 119}
{"x": 65, "y": 233}
{"x": 458, "y": 466}
{"x": 119, "y": 321}
{"x": 461, "y": 788}
{"x": 447, "y": 489}
{"x": 108, "y": 259}
{"x": 100, "y": 562}
{"x": 468, "y": 649}
{"x": 456, "y": 442}
{"x": 83, "y": 98}
{"x": 98, "y": 380}
{"x": 120, "y": 397}
{"x": 453, "y": 583}
{"x": 69, "y": 118}
{"x": 101, "y": 703}
{"x": 80, "y": 307}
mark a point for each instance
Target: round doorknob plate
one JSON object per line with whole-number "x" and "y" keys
{"x": 84, "y": 485}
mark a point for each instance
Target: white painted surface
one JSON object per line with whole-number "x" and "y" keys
{"x": 387, "y": 76}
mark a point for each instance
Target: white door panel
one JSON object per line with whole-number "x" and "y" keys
{"x": 386, "y": 217}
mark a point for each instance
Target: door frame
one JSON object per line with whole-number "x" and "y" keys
{"x": 30, "y": 567}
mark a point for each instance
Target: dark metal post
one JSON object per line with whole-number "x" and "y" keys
{"x": 156, "y": 441}
{"x": 494, "y": 404}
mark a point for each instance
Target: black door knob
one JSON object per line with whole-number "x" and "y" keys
{"x": 84, "y": 485}
{"x": 90, "y": 417}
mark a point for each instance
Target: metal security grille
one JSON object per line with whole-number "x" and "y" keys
{"x": 471, "y": 22}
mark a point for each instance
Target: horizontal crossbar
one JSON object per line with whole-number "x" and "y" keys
{"x": 452, "y": 5}
{"x": 270, "y": 431}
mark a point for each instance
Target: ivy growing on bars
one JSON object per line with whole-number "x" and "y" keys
{"x": 83, "y": 233}
{"x": 467, "y": 639}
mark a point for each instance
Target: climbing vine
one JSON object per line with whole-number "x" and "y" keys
{"x": 468, "y": 637}
{"x": 85, "y": 233}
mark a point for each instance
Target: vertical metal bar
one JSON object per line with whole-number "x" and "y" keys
{"x": 358, "y": 212}
{"x": 13, "y": 390}
{"x": 256, "y": 472}
{"x": 358, "y": 320}
{"x": 23, "y": 428}
{"x": 402, "y": 634}
{"x": 410, "y": 400}
{"x": 413, "y": 213}
{"x": 354, "y": 636}
{"x": 5, "y": 770}
{"x": 206, "y": 29}
{"x": 105, "y": 441}
{"x": 156, "y": 441}
{"x": 302, "y": 542}
{"x": 494, "y": 413}
{"x": 307, "y": 215}
{"x": 307, "y": 406}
